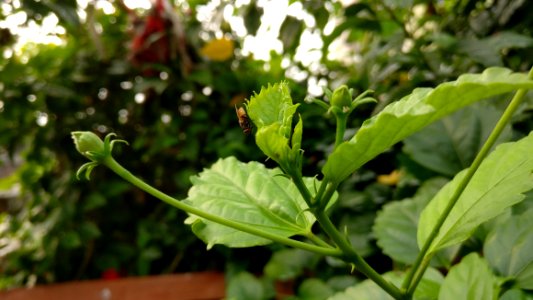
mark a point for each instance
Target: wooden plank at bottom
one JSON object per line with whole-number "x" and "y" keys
{"x": 186, "y": 286}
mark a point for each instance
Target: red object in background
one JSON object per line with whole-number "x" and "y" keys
{"x": 158, "y": 38}
{"x": 110, "y": 274}
{"x": 151, "y": 42}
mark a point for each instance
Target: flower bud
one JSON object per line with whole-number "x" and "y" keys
{"x": 88, "y": 144}
{"x": 341, "y": 97}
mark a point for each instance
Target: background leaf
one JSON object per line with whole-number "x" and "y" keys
{"x": 251, "y": 194}
{"x": 499, "y": 183}
{"x": 451, "y": 144}
{"x": 415, "y": 111}
{"x": 488, "y": 51}
{"x": 396, "y": 226}
{"x": 367, "y": 290}
{"x": 314, "y": 289}
{"x": 289, "y": 263}
{"x": 471, "y": 279}
{"x": 245, "y": 286}
{"x": 514, "y": 238}
{"x": 290, "y": 32}
{"x": 516, "y": 294}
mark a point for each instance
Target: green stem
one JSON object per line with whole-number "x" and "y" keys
{"x": 418, "y": 276}
{"x": 342, "y": 118}
{"x": 111, "y": 163}
{"x": 418, "y": 268}
{"x": 332, "y": 188}
{"x": 351, "y": 256}
{"x": 315, "y": 239}
{"x": 302, "y": 188}
{"x": 321, "y": 190}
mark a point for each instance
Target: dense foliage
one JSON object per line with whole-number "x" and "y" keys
{"x": 173, "y": 98}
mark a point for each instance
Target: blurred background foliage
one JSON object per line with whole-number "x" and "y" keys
{"x": 167, "y": 77}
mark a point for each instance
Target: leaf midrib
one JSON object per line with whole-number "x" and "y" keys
{"x": 475, "y": 202}
{"x": 264, "y": 209}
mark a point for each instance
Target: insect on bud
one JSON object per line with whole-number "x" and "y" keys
{"x": 244, "y": 120}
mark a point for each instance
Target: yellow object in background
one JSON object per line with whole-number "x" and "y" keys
{"x": 389, "y": 179}
{"x": 218, "y": 50}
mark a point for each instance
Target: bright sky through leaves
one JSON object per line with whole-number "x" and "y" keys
{"x": 259, "y": 45}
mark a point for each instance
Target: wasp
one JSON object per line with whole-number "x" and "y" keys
{"x": 244, "y": 120}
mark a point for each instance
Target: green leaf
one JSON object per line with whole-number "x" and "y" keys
{"x": 93, "y": 200}
{"x": 367, "y": 290}
{"x": 429, "y": 286}
{"x": 290, "y": 32}
{"x": 66, "y": 11}
{"x": 451, "y": 144}
{"x": 499, "y": 183}
{"x": 341, "y": 282}
{"x": 516, "y": 294}
{"x": 296, "y": 140}
{"x": 252, "y": 18}
{"x": 508, "y": 249}
{"x": 471, "y": 279}
{"x": 8, "y": 182}
{"x": 71, "y": 240}
{"x": 273, "y": 105}
{"x": 396, "y": 226}
{"x": 399, "y": 4}
{"x": 272, "y": 143}
{"x": 356, "y": 8}
{"x": 351, "y": 24}
{"x": 415, "y": 111}
{"x": 89, "y": 230}
{"x": 488, "y": 51}
{"x": 271, "y": 111}
{"x": 314, "y": 289}
{"x": 289, "y": 264}
{"x": 251, "y": 194}
{"x": 245, "y": 286}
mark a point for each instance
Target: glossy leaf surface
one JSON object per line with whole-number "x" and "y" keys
{"x": 415, "y": 111}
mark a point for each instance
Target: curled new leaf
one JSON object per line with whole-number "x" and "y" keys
{"x": 273, "y": 105}
{"x": 272, "y": 111}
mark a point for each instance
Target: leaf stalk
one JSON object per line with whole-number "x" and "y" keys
{"x": 350, "y": 255}
{"x": 112, "y": 164}
{"x": 342, "y": 119}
